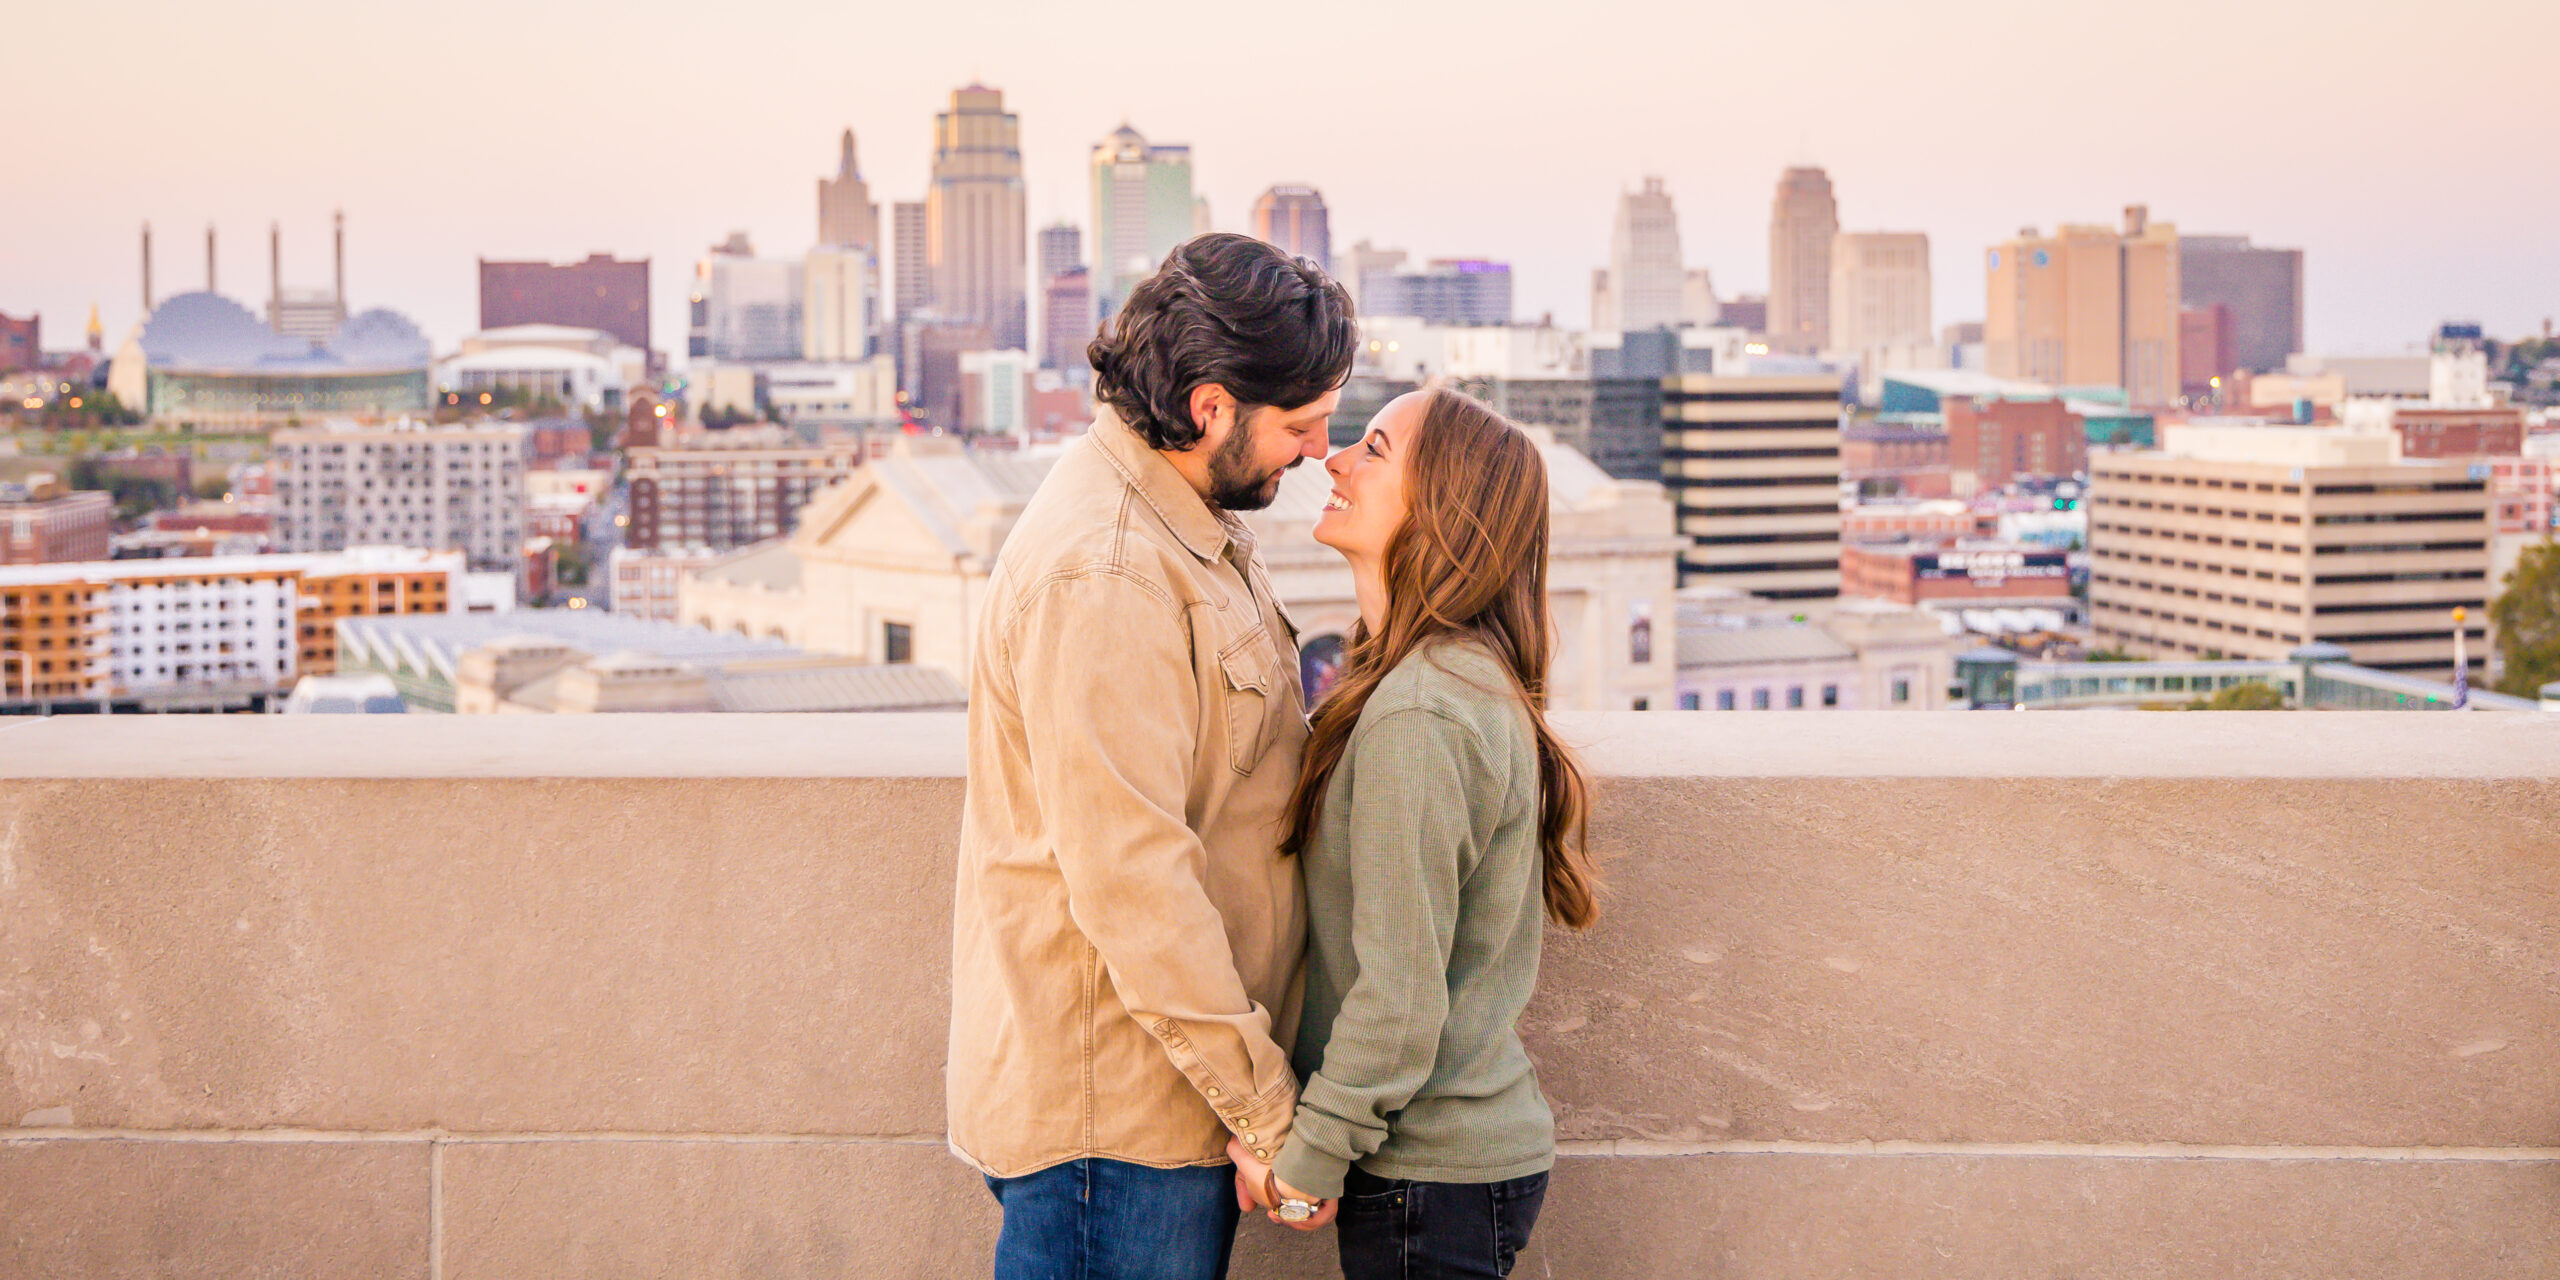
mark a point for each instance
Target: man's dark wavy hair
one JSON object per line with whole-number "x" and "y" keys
{"x": 1225, "y": 309}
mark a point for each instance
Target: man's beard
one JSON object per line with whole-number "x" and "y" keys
{"x": 1234, "y": 484}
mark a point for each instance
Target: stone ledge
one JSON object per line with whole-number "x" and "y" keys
{"x": 1809, "y": 744}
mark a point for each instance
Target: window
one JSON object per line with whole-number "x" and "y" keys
{"x": 1831, "y": 695}
{"x": 897, "y": 642}
{"x": 1795, "y": 697}
{"x": 1644, "y": 704}
{"x": 1688, "y": 702}
{"x": 1724, "y": 699}
{"x": 1901, "y": 691}
{"x": 1759, "y": 699}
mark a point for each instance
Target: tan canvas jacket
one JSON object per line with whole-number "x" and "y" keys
{"x": 1126, "y": 937}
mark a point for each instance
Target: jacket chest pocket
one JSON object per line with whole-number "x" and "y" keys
{"x": 1248, "y": 678}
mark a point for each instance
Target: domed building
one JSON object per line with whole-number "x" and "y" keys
{"x": 208, "y": 362}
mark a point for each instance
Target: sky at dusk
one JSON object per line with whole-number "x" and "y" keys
{"x": 2407, "y": 148}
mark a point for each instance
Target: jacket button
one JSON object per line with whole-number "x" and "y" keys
{"x": 1251, "y": 1137}
{"x": 1213, "y": 1091}
{"x": 1259, "y": 1153}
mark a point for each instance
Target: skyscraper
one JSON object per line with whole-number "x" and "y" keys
{"x": 846, "y": 216}
{"x": 2262, "y": 287}
{"x": 974, "y": 218}
{"x": 1880, "y": 291}
{"x": 1066, "y": 298}
{"x": 1802, "y": 222}
{"x": 1066, "y": 320}
{"x": 1061, "y": 247}
{"x": 1142, "y": 208}
{"x": 746, "y": 308}
{"x": 1645, "y": 280}
{"x": 913, "y": 284}
{"x": 1293, "y": 218}
{"x": 1753, "y": 463}
{"x": 2088, "y": 306}
{"x": 840, "y": 303}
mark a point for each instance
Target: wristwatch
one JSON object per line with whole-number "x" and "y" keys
{"x": 1289, "y": 1210}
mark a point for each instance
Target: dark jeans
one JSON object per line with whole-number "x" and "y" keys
{"x": 1111, "y": 1220}
{"x": 1392, "y": 1229}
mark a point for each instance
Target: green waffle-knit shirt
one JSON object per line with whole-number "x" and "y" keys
{"x": 1425, "y": 914}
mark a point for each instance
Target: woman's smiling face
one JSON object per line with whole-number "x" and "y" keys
{"x": 1367, "y": 504}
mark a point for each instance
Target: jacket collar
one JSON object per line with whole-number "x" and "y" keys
{"x": 1204, "y": 531}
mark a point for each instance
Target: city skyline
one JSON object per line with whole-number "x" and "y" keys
{"x": 2384, "y": 266}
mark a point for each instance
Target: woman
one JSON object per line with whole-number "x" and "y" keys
{"x": 1437, "y": 819}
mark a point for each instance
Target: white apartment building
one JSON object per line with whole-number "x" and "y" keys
{"x": 645, "y": 583}
{"x": 406, "y": 485}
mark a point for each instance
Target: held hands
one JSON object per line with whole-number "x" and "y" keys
{"x": 1255, "y": 1185}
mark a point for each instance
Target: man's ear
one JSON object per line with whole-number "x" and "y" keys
{"x": 1206, "y": 400}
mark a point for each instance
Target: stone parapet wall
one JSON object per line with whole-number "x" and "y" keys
{"x": 1877, "y": 994}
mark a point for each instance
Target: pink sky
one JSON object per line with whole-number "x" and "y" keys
{"x": 2407, "y": 148}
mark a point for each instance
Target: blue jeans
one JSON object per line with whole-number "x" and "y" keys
{"x": 1112, "y": 1220}
{"x": 1395, "y": 1229}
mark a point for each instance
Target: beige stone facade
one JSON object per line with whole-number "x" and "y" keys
{"x": 2247, "y": 542}
{"x": 892, "y": 565}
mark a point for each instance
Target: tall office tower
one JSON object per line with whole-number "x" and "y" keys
{"x": 840, "y": 303}
{"x": 974, "y": 218}
{"x": 1142, "y": 208}
{"x": 846, "y": 215}
{"x": 1066, "y": 320}
{"x": 456, "y": 487}
{"x": 1698, "y": 306}
{"x": 1880, "y": 291}
{"x": 2262, "y": 287}
{"x": 1293, "y": 217}
{"x": 1061, "y": 247}
{"x": 1359, "y": 261}
{"x": 1753, "y": 464}
{"x": 1066, "y": 298}
{"x": 2246, "y": 542}
{"x": 2088, "y": 307}
{"x": 1604, "y": 302}
{"x": 1645, "y": 276}
{"x": 1802, "y": 222}
{"x": 746, "y": 307}
{"x": 600, "y": 293}
{"x": 914, "y": 285}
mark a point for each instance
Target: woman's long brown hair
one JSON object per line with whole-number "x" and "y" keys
{"x": 1469, "y": 562}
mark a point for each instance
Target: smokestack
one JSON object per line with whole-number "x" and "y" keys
{"x": 146, "y": 270}
{"x": 275, "y": 276}
{"x": 208, "y": 259}
{"x": 339, "y": 227}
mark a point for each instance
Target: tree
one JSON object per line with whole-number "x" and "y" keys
{"x": 2254, "y": 695}
{"x": 2526, "y": 619}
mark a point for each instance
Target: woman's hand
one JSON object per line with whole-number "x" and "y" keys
{"x": 1255, "y": 1181}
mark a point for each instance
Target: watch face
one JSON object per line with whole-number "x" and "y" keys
{"x": 1295, "y": 1211}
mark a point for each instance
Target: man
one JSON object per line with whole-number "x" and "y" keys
{"x": 1126, "y": 936}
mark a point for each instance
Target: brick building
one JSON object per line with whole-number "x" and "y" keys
{"x": 1896, "y": 459}
{"x": 602, "y": 292}
{"x": 725, "y": 498}
{"x": 1962, "y": 570}
{"x": 21, "y": 343}
{"x": 44, "y": 523}
{"x": 2431, "y": 431}
{"x": 2002, "y": 441}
